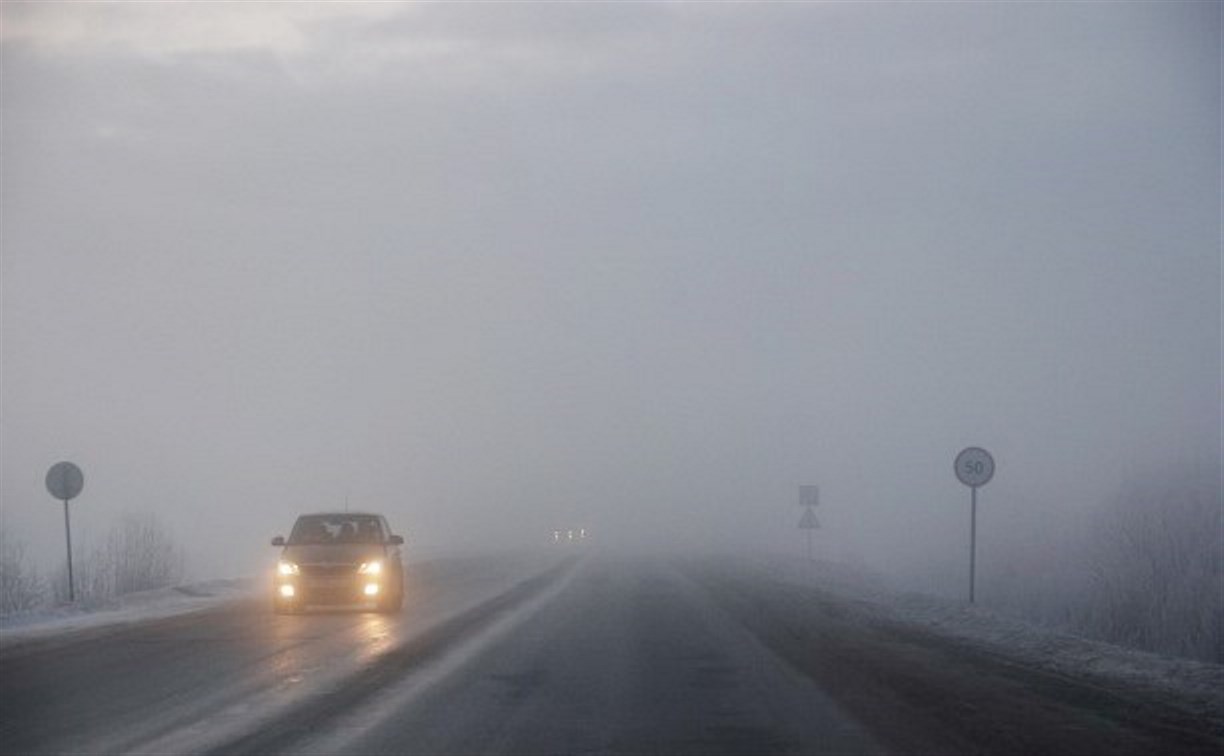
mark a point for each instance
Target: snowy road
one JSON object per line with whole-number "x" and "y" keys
{"x": 593, "y": 655}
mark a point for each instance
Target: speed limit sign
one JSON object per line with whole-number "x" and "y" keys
{"x": 974, "y": 467}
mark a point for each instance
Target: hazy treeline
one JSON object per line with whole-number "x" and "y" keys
{"x": 1146, "y": 570}
{"x": 137, "y": 554}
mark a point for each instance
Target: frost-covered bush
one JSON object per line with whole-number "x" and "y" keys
{"x": 21, "y": 588}
{"x": 1145, "y": 569}
{"x": 1156, "y": 571}
{"x": 138, "y": 554}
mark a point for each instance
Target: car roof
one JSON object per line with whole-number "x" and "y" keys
{"x": 340, "y": 514}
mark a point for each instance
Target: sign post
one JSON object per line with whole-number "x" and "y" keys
{"x": 809, "y": 498}
{"x": 65, "y": 481}
{"x": 974, "y": 467}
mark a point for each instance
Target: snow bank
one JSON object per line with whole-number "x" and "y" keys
{"x": 122, "y": 610}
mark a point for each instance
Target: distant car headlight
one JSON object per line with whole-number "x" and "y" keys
{"x": 287, "y": 568}
{"x": 370, "y": 568}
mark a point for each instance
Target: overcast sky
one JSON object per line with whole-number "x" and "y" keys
{"x": 491, "y": 269}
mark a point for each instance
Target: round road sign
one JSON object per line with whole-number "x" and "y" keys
{"x": 974, "y": 467}
{"x": 65, "y": 480}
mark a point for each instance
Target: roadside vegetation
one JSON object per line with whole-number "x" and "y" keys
{"x": 138, "y": 553}
{"x": 1156, "y": 572}
{"x": 21, "y": 587}
{"x": 1146, "y": 571}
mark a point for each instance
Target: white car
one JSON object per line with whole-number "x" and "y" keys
{"x": 339, "y": 558}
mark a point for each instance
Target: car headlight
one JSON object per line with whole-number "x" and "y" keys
{"x": 287, "y": 568}
{"x": 370, "y": 568}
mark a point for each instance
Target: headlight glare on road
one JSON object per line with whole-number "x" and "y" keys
{"x": 370, "y": 568}
{"x": 287, "y": 568}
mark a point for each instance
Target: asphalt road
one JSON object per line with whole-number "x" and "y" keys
{"x": 192, "y": 682}
{"x": 563, "y": 654}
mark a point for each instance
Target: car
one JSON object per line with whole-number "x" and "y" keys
{"x": 569, "y": 535}
{"x": 345, "y": 558}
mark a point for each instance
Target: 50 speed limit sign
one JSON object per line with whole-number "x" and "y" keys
{"x": 974, "y": 467}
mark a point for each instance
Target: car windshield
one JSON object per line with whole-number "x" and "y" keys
{"x": 336, "y": 528}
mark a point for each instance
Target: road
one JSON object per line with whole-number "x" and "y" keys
{"x": 566, "y": 653}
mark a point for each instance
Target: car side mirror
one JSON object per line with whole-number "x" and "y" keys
{"x": 395, "y": 540}
{"x": 278, "y": 541}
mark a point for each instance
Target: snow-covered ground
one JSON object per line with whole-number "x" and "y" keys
{"x": 1197, "y": 685}
{"x": 123, "y": 610}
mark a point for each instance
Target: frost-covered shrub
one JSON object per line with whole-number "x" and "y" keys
{"x": 1156, "y": 571}
{"x": 137, "y": 555}
{"x": 21, "y": 589}
{"x": 1144, "y": 569}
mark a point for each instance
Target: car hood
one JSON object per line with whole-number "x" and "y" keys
{"x": 338, "y": 553}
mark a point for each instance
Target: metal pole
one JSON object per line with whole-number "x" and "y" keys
{"x": 972, "y": 540}
{"x": 809, "y": 540}
{"x": 68, "y": 538}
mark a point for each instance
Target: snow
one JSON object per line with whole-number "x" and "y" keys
{"x": 143, "y": 606}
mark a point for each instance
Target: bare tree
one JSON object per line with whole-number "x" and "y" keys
{"x": 1156, "y": 563}
{"x": 21, "y": 588}
{"x": 137, "y": 555}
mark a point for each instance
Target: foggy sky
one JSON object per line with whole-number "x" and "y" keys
{"x": 492, "y": 270}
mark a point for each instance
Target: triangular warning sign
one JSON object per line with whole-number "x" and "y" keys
{"x": 808, "y": 521}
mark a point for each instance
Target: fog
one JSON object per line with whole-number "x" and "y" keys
{"x": 492, "y": 270}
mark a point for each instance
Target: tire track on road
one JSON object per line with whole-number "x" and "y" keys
{"x": 314, "y": 717}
